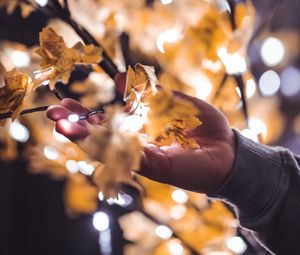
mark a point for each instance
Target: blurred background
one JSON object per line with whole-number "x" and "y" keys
{"x": 43, "y": 210}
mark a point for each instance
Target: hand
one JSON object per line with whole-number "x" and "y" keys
{"x": 200, "y": 170}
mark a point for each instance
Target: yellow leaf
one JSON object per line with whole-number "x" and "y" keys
{"x": 17, "y": 86}
{"x": 169, "y": 117}
{"x": 80, "y": 196}
{"x": 58, "y": 60}
{"x": 139, "y": 84}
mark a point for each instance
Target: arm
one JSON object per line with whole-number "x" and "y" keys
{"x": 264, "y": 185}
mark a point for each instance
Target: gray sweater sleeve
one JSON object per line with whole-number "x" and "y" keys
{"x": 264, "y": 187}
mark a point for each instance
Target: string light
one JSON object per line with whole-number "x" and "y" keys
{"x": 85, "y": 168}
{"x": 178, "y": 212}
{"x": 73, "y": 118}
{"x": 163, "y": 232}
{"x": 236, "y": 244}
{"x": 272, "y": 51}
{"x": 50, "y": 152}
{"x": 101, "y": 221}
{"x": 42, "y": 3}
{"x": 20, "y": 58}
{"x": 180, "y": 196}
{"x": 175, "y": 247}
{"x": 166, "y": 1}
{"x": 72, "y": 166}
{"x": 18, "y": 132}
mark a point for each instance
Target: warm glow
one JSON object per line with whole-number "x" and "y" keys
{"x": 175, "y": 247}
{"x": 73, "y": 118}
{"x": 178, "y": 212}
{"x": 250, "y": 88}
{"x": 272, "y": 51}
{"x": 42, "y": 3}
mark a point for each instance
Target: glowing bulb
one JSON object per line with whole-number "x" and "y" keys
{"x": 178, "y": 212}
{"x": 20, "y": 58}
{"x": 272, "y": 51}
{"x": 169, "y": 36}
{"x": 85, "y": 168}
{"x": 50, "y": 153}
{"x": 180, "y": 196}
{"x": 59, "y": 137}
{"x": 163, "y": 232}
{"x": 166, "y": 1}
{"x": 250, "y": 134}
{"x": 42, "y": 3}
{"x": 101, "y": 196}
{"x": 234, "y": 63}
{"x": 101, "y": 221}
{"x": 72, "y": 166}
{"x": 269, "y": 83}
{"x": 18, "y": 132}
{"x": 175, "y": 248}
{"x": 73, "y": 118}
{"x": 236, "y": 244}
{"x": 290, "y": 81}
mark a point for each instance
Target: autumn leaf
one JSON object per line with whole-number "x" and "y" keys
{"x": 11, "y": 6}
{"x": 140, "y": 83}
{"x": 169, "y": 117}
{"x": 118, "y": 150}
{"x": 58, "y": 60}
{"x": 17, "y": 86}
{"x": 80, "y": 196}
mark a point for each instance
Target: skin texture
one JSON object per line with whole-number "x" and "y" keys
{"x": 201, "y": 170}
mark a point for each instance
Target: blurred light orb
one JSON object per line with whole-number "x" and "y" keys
{"x": 101, "y": 221}
{"x": 163, "y": 232}
{"x": 250, "y": 134}
{"x": 50, "y": 153}
{"x": 73, "y": 118}
{"x": 169, "y": 36}
{"x": 175, "y": 248}
{"x": 236, "y": 244}
{"x": 180, "y": 196}
{"x": 272, "y": 51}
{"x": 72, "y": 166}
{"x": 101, "y": 196}
{"x": 290, "y": 81}
{"x": 178, "y": 212}
{"x": 59, "y": 137}
{"x": 85, "y": 168}
{"x": 42, "y": 3}
{"x": 18, "y": 132}
{"x": 20, "y": 58}
{"x": 269, "y": 83}
{"x": 166, "y": 1}
{"x": 234, "y": 63}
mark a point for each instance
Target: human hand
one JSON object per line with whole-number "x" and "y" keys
{"x": 199, "y": 170}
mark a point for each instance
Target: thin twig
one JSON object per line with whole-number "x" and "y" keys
{"x": 220, "y": 88}
{"x": 27, "y": 111}
{"x": 241, "y": 85}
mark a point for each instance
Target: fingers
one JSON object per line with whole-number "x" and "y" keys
{"x": 57, "y": 112}
{"x": 73, "y": 131}
{"x": 155, "y": 164}
{"x": 120, "y": 82}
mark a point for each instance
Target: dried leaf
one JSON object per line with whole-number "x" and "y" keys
{"x": 139, "y": 84}
{"x": 11, "y": 6}
{"x": 169, "y": 117}
{"x": 58, "y": 60}
{"x": 18, "y": 85}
